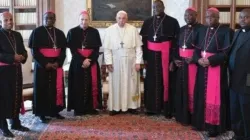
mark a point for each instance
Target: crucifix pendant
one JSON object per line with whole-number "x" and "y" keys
{"x": 154, "y": 37}
{"x": 83, "y": 47}
{"x": 122, "y": 44}
{"x": 184, "y": 47}
{"x": 204, "y": 53}
{"x": 54, "y": 47}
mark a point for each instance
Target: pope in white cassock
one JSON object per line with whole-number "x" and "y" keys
{"x": 123, "y": 56}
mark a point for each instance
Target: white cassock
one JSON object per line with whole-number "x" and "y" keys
{"x": 124, "y": 81}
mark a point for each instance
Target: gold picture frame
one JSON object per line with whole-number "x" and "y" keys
{"x": 103, "y": 12}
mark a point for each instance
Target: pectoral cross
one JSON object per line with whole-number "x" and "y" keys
{"x": 184, "y": 47}
{"x": 122, "y": 44}
{"x": 204, "y": 53}
{"x": 83, "y": 47}
{"x": 54, "y": 47}
{"x": 154, "y": 37}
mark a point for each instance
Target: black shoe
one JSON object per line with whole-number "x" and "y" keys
{"x": 169, "y": 116}
{"x": 60, "y": 117}
{"x": 8, "y": 133}
{"x": 44, "y": 119}
{"x": 212, "y": 134}
{"x": 112, "y": 113}
{"x": 133, "y": 111}
{"x": 20, "y": 128}
{"x": 149, "y": 113}
{"x": 93, "y": 112}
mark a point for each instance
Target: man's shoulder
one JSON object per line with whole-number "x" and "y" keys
{"x": 59, "y": 30}
{"x": 171, "y": 19}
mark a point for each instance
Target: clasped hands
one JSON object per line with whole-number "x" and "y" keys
{"x": 204, "y": 62}
{"x": 86, "y": 63}
{"x": 19, "y": 58}
{"x": 50, "y": 66}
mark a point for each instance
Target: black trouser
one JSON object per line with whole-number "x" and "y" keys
{"x": 240, "y": 114}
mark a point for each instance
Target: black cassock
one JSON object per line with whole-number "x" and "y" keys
{"x": 84, "y": 85}
{"x": 185, "y": 78}
{"x": 166, "y": 29}
{"x": 211, "y": 109}
{"x": 45, "y": 81}
{"x": 11, "y": 80}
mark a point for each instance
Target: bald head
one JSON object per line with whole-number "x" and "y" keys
{"x": 121, "y": 18}
{"x": 6, "y": 20}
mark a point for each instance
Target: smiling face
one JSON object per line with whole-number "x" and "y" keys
{"x": 7, "y": 20}
{"x": 244, "y": 18}
{"x": 49, "y": 19}
{"x": 158, "y": 7}
{"x": 190, "y": 16}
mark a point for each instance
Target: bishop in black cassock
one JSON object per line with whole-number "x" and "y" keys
{"x": 186, "y": 68}
{"x": 12, "y": 55}
{"x": 48, "y": 46}
{"x": 159, "y": 35}
{"x": 211, "y": 97}
{"x": 84, "y": 90}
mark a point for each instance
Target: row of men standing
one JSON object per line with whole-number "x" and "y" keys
{"x": 198, "y": 53}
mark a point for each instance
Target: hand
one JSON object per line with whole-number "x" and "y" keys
{"x": 18, "y": 58}
{"x": 137, "y": 67}
{"x": 86, "y": 63}
{"x": 55, "y": 65}
{"x": 171, "y": 66}
{"x": 188, "y": 60}
{"x": 201, "y": 62}
{"x": 178, "y": 63}
{"x": 49, "y": 66}
{"x": 206, "y": 62}
{"x": 110, "y": 68}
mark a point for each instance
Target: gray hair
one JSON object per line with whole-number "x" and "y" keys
{"x": 122, "y": 12}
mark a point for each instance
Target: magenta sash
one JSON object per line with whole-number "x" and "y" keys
{"x": 164, "y": 48}
{"x": 192, "y": 70}
{"x": 59, "y": 74}
{"x": 213, "y": 99}
{"x": 22, "y": 104}
{"x": 94, "y": 82}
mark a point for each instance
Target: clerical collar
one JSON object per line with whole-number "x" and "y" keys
{"x": 161, "y": 15}
{"x": 191, "y": 25}
{"x": 213, "y": 27}
{"x": 49, "y": 27}
{"x": 245, "y": 29}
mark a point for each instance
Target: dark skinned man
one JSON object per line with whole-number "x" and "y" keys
{"x": 159, "y": 35}
{"x": 186, "y": 69}
{"x": 12, "y": 55}
{"x": 240, "y": 79}
{"x": 211, "y": 100}
{"x": 48, "y": 46}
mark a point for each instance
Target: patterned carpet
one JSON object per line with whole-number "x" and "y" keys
{"x": 122, "y": 126}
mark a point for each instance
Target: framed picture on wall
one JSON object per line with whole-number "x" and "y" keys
{"x": 103, "y": 12}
